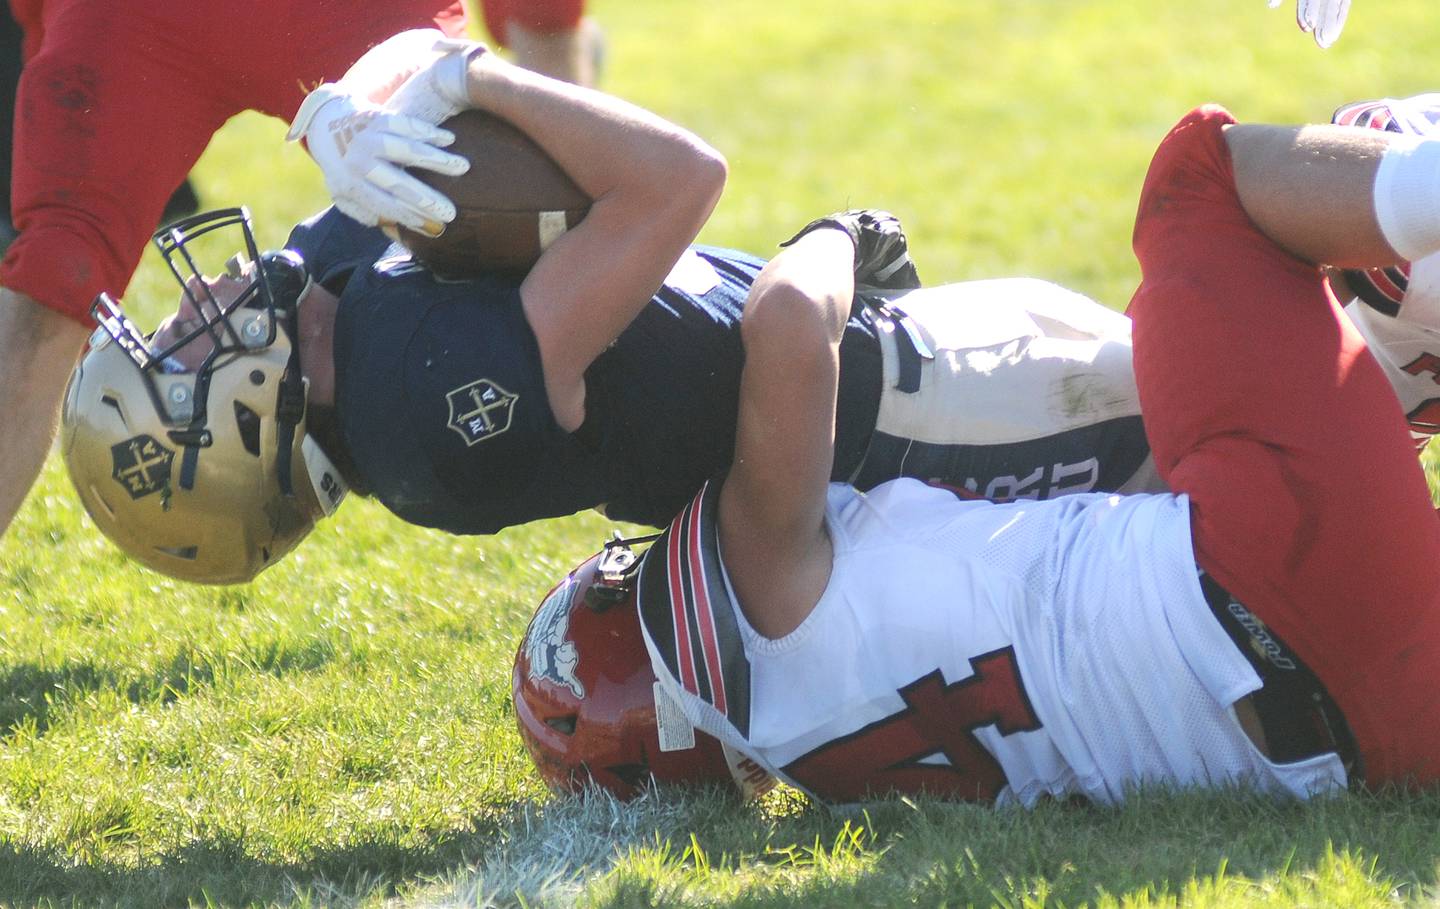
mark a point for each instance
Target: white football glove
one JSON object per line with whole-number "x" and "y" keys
{"x": 363, "y": 149}
{"x": 438, "y": 90}
{"x": 1322, "y": 18}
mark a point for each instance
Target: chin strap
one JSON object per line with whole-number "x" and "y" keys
{"x": 285, "y": 282}
{"x": 326, "y": 481}
{"x": 288, "y": 414}
{"x": 290, "y": 409}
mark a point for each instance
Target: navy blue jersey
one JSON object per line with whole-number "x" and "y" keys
{"x": 333, "y": 245}
{"x": 442, "y": 405}
{"x": 442, "y": 411}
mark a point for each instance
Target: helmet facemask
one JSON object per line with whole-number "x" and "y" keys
{"x": 203, "y": 474}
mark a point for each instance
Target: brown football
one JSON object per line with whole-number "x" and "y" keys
{"x": 511, "y": 204}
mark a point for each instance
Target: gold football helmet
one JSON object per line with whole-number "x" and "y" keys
{"x": 206, "y": 475}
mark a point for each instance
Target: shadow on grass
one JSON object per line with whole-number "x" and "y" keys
{"x": 1382, "y": 848}
{"x": 223, "y": 873}
{"x": 921, "y": 853}
{"x": 31, "y": 693}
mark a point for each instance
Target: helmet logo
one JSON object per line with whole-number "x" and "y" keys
{"x": 548, "y": 648}
{"x": 480, "y": 410}
{"x": 141, "y": 465}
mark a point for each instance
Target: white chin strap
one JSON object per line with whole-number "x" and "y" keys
{"x": 329, "y": 487}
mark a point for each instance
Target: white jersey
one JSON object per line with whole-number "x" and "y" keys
{"x": 1408, "y": 353}
{"x": 971, "y": 649}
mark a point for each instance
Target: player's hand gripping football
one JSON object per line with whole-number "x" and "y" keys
{"x": 1322, "y": 18}
{"x": 363, "y": 151}
{"x": 438, "y": 90}
{"x": 882, "y": 254}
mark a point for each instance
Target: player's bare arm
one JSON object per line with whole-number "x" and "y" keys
{"x": 1310, "y": 189}
{"x": 772, "y": 504}
{"x": 38, "y": 347}
{"x": 653, "y": 184}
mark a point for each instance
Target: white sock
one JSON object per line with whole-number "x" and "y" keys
{"x": 1407, "y": 207}
{"x": 1407, "y": 196}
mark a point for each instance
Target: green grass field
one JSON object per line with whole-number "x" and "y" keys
{"x": 338, "y": 733}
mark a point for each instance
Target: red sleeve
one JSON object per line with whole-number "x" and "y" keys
{"x": 103, "y": 139}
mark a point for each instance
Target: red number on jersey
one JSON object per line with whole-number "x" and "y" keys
{"x": 890, "y": 755}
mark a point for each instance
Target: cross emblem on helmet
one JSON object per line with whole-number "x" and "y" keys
{"x": 141, "y": 465}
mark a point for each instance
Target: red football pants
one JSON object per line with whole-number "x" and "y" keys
{"x": 1264, "y": 406}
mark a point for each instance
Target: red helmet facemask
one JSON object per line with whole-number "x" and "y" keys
{"x": 585, "y": 694}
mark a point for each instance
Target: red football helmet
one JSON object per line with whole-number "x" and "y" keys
{"x": 585, "y": 694}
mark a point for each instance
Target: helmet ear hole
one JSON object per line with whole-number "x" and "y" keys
{"x": 247, "y": 422}
{"x": 565, "y": 725}
{"x": 110, "y": 402}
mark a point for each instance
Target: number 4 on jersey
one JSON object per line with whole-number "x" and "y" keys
{"x": 898, "y": 753}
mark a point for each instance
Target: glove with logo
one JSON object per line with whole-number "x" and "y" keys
{"x": 438, "y": 90}
{"x": 363, "y": 151}
{"x": 882, "y": 255}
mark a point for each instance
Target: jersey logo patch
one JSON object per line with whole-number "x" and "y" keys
{"x": 548, "y": 648}
{"x": 141, "y": 465}
{"x": 480, "y": 410}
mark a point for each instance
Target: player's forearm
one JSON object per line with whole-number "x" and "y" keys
{"x": 791, "y": 329}
{"x": 653, "y": 185}
{"x": 1310, "y": 189}
{"x": 773, "y": 501}
{"x": 38, "y": 348}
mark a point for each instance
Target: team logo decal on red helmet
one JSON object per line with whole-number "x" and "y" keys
{"x": 480, "y": 410}
{"x": 141, "y": 465}
{"x": 552, "y": 655}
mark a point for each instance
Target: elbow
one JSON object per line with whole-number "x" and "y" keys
{"x": 694, "y": 173}
{"x": 673, "y": 193}
{"x": 801, "y": 298}
{"x": 787, "y": 321}
{"x": 705, "y": 171}
{"x": 716, "y": 169}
